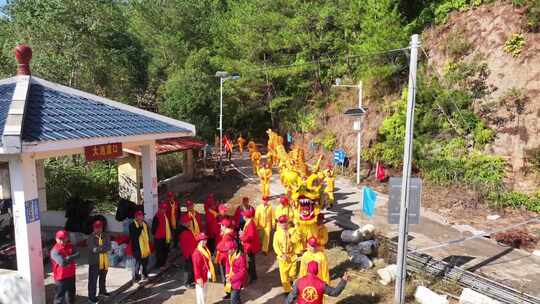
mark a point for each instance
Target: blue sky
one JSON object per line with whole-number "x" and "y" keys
{"x": 2, "y": 2}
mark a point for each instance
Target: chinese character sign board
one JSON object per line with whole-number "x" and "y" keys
{"x": 103, "y": 152}
{"x": 31, "y": 209}
{"x": 339, "y": 157}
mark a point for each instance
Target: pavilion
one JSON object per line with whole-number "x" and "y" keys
{"x": 40, "y": 119}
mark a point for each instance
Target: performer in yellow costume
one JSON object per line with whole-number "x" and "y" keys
{"x": 241, "y": 142}
{"x": 313, "y": 183}
{"x": 291, "y": 179}
{"x": 303, "y": 188}
{"x": 306, "y": 212}
{"x": 265, "y": 173}
{"x": 315, "y": 253}
{"x": 329, "y": 180}
{"x": 322, "y": 231}
{"x": 284, "y": 246}
{"x": 252, "y": 147}
{"x": 255, "y": 161}
{"x": 265, "y": 221}
{"x": 270, "y": 157}
{"x": 284, "y": 208}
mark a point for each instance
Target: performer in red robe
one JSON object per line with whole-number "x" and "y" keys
{"x": 162, "y": 232}
{"x": 236, "y": 268}
{"x": 227, "y": 234}
{"x": 203, "y": 268}
{"x": 188, "y": 244}
{"x": 238, "y": 214}
{"x": 250, "y": 241}
{"x": 193, "y": 216}
{"x": 173, "y": 214}
{"x": 310, "y": 289}
{"x": 212, "y": 225}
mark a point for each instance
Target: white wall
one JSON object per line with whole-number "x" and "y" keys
{"x": 53, "y": 219}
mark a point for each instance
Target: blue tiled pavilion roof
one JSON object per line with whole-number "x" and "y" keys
{"x": 6, "y": 93}
{"x": 56, "y": 114}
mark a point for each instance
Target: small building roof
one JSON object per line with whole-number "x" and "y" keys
{"x": 54, "y": 113}
{"x": 35, "y": 111}
{"x": 169, "y": 145}
{"x": 6, "y": 93}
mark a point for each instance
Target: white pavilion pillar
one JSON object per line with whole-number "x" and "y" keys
{"x": 149, "y": 177}
{"x": 24, "y": 191}
{"x": 42, "y": 189}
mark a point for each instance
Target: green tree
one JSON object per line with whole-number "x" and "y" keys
{"x": 83, "y": 44}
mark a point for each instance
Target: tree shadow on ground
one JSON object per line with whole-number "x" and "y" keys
{"x": 168, "y": 287}
{"x": 458, "y": 260}
{"x": 342, "y": 216}
{"x": 223, "y": 190}
{"x": 340, "y": 269}
{"x": 360, "y": 299}
{"x": 266, "y": 279}
{"x": 338, "y": 196}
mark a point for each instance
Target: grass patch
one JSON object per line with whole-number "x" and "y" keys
{"x": 514, "y": 199}
{"x": 328, "y": 141}
{"x": 457, "y": 45}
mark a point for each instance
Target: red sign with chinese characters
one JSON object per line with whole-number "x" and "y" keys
{"x": 103, "y": 152}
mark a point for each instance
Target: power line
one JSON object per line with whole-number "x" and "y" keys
{"x": 330, "y": 58}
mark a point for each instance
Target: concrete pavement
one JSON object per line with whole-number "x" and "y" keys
{"x": 514, "y": 267}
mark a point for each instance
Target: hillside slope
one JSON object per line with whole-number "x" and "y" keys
{"x": 512, "y": 108}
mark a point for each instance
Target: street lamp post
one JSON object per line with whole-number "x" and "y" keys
{"x": 357, "y": 124}
{"x": 222, "y": 77}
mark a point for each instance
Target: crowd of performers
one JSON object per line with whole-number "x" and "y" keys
{"x": 224, "y": 247}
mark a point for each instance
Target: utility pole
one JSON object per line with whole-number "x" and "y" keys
{"x": 220, "y": 119}
{"x": 399, "y": 296}
{"x": 359, "y": 135}
{"x": 222, "y": 77}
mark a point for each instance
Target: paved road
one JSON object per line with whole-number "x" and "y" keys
{"x": 517, "y": 268}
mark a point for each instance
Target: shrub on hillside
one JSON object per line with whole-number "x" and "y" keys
{"x": 514, "y": 44}
{"x": 532, "y": 13}
{"x": 307, "y": 121}
{"x": 515, "y": 199}
{"x": 443, "y": 10}
{"x": 327, "y": 141}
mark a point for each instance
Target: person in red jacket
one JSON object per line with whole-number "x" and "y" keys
{"x": 188, "y": 244}
{"x": 212, "y": 225}
{"x": 250, "y": 241}
{"x": 227, "y": 144}
{"x": 173, "y": 214}
{"x": 239, "y": 215}
{"x": 310, "y": 289}
{"x": 63, "y": 266}
{"x": 192, "y": 216}
{"x": 236, "y": 272}
{"x": 203, "y": 268}
{"x": 162, "y": 232}
{"x": 227, "y": 234}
